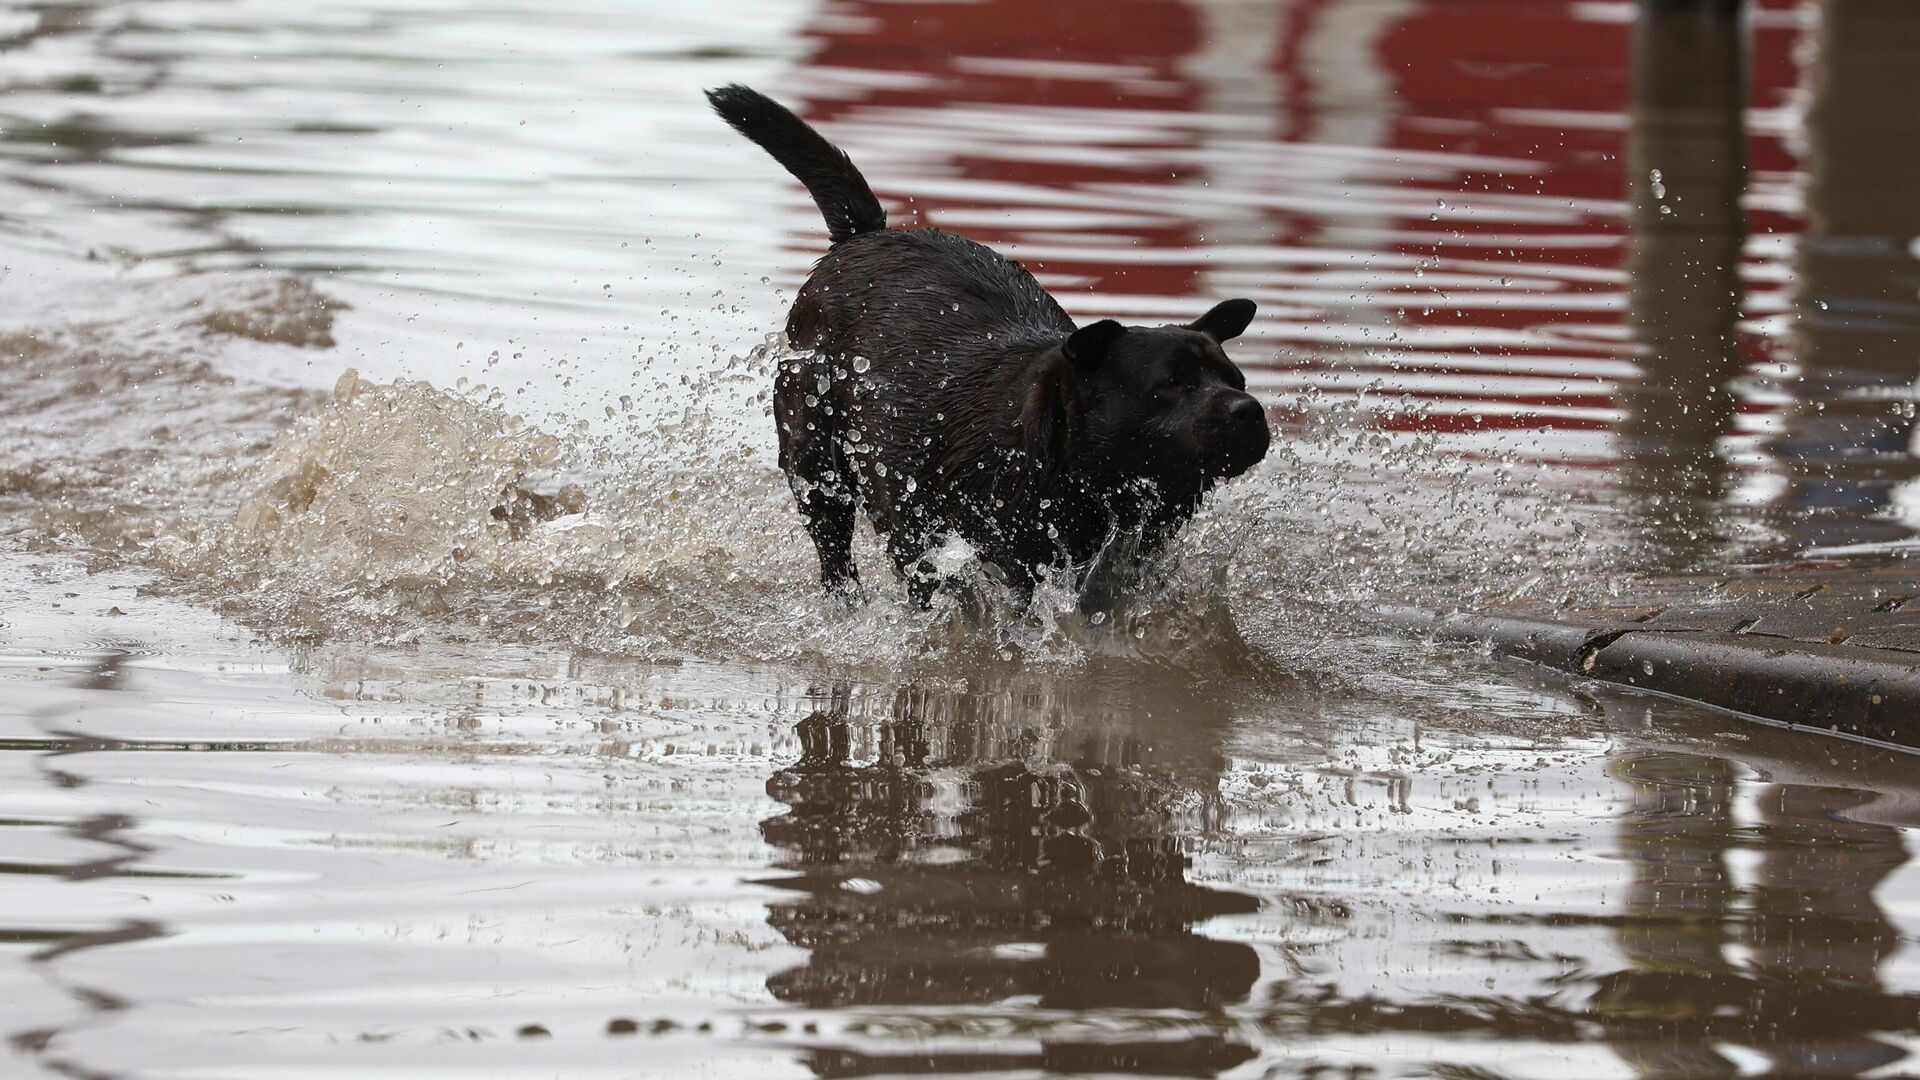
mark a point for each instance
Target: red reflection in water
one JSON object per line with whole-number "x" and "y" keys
{"x": 1512, "y": 114}
{"x": 1014, "y": 53}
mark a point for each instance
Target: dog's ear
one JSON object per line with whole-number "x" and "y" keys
{"x": 1227, "y": 320}
{"x": 1089, "y": 345}
{"x": 1049, "y": 418}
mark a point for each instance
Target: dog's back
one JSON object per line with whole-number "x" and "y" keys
{"x": 923, "y": 294}
{"x": 924, "y": 290}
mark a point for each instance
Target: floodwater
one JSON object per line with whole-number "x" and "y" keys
{"x": 412, "y": 663}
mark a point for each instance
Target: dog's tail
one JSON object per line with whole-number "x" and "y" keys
{"x": 837, "y": 187}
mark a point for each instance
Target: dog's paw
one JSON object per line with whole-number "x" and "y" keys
{"x": 847, "y": 594}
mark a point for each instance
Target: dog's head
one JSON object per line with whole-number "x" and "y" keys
{"x": 1163, "y": 403}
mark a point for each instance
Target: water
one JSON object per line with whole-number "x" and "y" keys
{"x": 412, "y": 657}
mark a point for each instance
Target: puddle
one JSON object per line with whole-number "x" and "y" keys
{"x": 231, "y": 859}
{"x": 412, "y": 658}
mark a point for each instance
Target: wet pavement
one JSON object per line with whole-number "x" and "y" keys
{"x": 1826, "y": 647}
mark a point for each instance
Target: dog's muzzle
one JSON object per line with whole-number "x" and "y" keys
{"x": 1242, "y": 438}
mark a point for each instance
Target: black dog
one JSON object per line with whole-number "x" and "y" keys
{"x": 949, "y": 395}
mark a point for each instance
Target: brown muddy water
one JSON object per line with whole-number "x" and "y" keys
{"x": 411, "y": 660}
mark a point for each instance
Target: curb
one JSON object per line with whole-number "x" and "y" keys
{"x": 1849, "y": 690}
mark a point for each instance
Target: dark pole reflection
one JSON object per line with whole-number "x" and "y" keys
{"x": 1686, "y": 164}
{"x": 1847, "y": 442}
{"x": 1751, "y": 927}
{"x": 1676, "y": 835}
{"x": 1003, "y": 844}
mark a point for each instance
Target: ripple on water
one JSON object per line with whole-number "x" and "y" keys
{"x": 395, "y": 857}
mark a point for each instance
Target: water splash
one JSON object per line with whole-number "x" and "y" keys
{"x": 408, "y": 509}
{"x": 664, "y": 528}
{"x": 395, "y": 484}
{"x": 403, "y": 503}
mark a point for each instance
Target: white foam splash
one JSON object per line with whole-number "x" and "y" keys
{"x": 400, "y": 483}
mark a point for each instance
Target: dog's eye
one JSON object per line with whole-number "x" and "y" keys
{"x": 1172, "y": 381}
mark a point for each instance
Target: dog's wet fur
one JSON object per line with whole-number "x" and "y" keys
{"x": 946, "y": 393}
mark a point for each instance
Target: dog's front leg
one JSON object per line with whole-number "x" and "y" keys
{"x": 1115, "y": 568}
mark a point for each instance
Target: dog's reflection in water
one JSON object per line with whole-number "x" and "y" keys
{"x": 982, "y": 852}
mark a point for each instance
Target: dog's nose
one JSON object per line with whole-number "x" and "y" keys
{"x": 1246, "y": 412}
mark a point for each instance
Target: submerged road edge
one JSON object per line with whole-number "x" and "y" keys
{"x": 1858, "y": 692}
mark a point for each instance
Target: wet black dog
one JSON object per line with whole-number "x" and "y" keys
{"x": 949, "y": 395}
